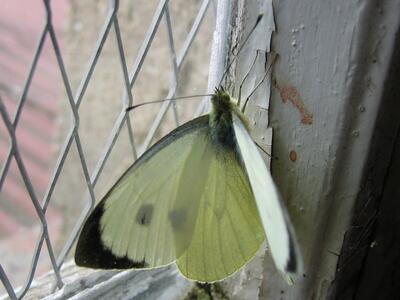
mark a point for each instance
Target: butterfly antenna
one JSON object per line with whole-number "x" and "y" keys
{"x": 260, "y": 16}
{"x": 163, "y": 100}
{"x": 219, "y": 84}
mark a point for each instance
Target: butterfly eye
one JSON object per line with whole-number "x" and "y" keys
{"x": 144, "y": 214}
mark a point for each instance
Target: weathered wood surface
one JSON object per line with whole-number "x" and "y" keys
{"x": 334, "y": 59}
{"x": 82, "y": 283}
{"x": 368, "y": 264}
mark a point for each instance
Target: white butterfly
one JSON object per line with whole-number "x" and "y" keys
{"x": 201, "y": 197}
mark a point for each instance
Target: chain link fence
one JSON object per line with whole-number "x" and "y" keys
{"x": 72, "y": 141}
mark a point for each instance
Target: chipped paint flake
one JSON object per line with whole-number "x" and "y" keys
{"x": 290, "y": 93}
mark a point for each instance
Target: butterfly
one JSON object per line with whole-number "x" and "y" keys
{"x": 201, "y": 197}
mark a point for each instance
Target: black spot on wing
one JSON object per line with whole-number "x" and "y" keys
{"x": 92, "y": 253}
{"x": 177, "y": 218}
{"x": 291, "y": 265}
{"x": 145, "y": 214}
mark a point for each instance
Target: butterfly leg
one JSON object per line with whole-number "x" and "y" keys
{"x": 247, "y": 75}
{"x": 274, "y": 57}
{"x": 262, "y": 149}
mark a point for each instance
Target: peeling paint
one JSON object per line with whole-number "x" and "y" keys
{"x": 290, "y": 93}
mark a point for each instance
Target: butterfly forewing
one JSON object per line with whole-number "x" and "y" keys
{"x": 279, "y": 231}
{"x": 146, "y": 220}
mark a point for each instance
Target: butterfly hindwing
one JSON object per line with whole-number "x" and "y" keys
{"x": 277, "y": 226}
{"x": 228, "y": 231}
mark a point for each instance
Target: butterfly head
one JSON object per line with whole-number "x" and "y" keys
{"x": 221, "y": 118}
{"x": 221, "y": 100}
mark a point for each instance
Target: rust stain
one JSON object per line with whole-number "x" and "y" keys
{"x": 290, "y": 93}
{"x": 293, "y": 155}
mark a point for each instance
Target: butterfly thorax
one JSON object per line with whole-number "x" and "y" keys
{"x": 221, "y": 126}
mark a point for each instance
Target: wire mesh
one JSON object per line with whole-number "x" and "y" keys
{"x": 111, "y": 23}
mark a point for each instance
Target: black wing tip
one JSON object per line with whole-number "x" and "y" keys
{"x": 92, "y": 253}
{"x": 259, "y": 17}
{"x": 291, "y": 266}
{"x": 294, "y": 262}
